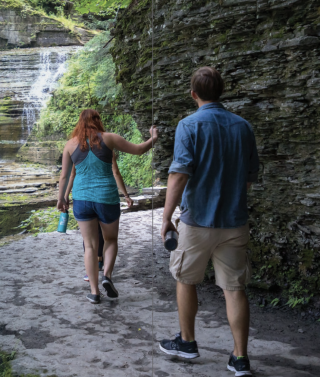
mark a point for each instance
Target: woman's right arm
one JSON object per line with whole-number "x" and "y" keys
{"x": 114, "y": 141}
{"x": 70, "y": 184}
{"x": 64, "y": 178}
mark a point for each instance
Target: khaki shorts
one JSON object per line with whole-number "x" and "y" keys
{"x": 227, "y": 248}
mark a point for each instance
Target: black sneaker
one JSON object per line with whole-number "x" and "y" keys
{"x": 94, "y": 299}
{"x": 109, "y": 287}
{"x": 176, "y": 347}
{"x": 240, "y": 365}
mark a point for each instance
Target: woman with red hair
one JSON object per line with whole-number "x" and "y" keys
{"x": 95, "y": 193}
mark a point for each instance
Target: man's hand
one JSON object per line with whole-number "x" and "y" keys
{"x": 166, "y": 226}
{"x": 154, "y": 133}
{"x": 175, "y": 187}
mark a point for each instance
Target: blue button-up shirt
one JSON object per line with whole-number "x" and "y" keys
{"x": 217, "y": 149}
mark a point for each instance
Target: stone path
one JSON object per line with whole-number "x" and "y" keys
{"x": 56, "y": 332}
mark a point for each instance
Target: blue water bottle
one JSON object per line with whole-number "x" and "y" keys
{"x": 63, "y": 222}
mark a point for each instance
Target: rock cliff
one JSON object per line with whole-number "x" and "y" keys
{"x": 21, "y": 28}
{"x": 268, "y": 53}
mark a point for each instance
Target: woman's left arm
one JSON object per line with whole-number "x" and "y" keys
{"x": 64, "y": 179}
{"x": 118, "y": 177}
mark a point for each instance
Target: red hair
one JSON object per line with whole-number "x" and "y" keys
{"x": 88, "y": 127}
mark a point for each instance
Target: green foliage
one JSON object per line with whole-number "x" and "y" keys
{"x": 97, "y": 6}
{"x": 53, "y": 9}
{"x": 136, "y": 170}
{"x": 294, "y": 301}
{"x": 46, "y": 220}
{"x": 12, "y": 4}
{"x": 49, "y": 6}
{"x": 90, "y": 83}
{"x": 94, "y": 23}
{"x": 68, "y": 23}
{"x": 275, "y": 302}
{"x": 5, "y": 366}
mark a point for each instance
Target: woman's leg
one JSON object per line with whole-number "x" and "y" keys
{"x": 110, "y": 249}
{"x": 90, "y": 235}
{"x": 100, "y": 249}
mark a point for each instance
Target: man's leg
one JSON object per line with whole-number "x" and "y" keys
{"x": 184, "y": 345}
{"x": 187, "y": 306}
{"x": 238, "y": 317}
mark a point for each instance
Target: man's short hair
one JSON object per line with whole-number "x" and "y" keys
{"x": 207, "y": 83}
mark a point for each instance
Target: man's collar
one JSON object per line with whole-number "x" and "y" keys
{"x": 211, "y": 105}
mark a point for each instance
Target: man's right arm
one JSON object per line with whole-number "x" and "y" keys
{"x": 176, "y": 184}
{"x": 180, "y": 171}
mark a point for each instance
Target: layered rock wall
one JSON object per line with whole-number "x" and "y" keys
{"x": 268, "y": 53}
{"x": 20, "y": 29}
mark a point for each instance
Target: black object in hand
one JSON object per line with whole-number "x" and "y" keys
{"x": 171, "y": 240}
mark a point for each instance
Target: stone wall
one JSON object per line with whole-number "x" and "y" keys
{"x": 268, "y": 53}
{"x": 19, "y": 29}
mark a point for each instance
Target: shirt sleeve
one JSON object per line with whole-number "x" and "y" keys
{"x": 183, "y": 157}
{"x": 254, "y": 162}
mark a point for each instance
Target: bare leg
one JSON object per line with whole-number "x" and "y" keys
{"x": 238, "y": 315}
{"x": 188, "y": 306}
{"x": 89, "y": 232}
{"x": 110, "y": 249}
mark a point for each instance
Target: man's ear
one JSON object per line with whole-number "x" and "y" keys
{"x": 194, "y": 95}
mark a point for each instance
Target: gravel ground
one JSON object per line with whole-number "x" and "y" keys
{"x": 55, "y": 331}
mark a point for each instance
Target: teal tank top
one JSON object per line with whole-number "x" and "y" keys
{"x": 94, "y": 181}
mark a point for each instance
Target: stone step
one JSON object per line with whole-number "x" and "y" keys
{"x": 21, "y": 191}
{"x": 146, "y": 201}
{"x": 20, "y": 186}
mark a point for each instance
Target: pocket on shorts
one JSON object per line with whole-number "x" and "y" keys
{"x": 176, "y": 262}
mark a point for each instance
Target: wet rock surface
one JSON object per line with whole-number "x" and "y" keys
{"x": 268, "y": 53}
{"x": 55, "y": 331}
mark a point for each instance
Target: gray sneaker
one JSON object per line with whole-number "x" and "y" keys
{"x": 109, "y": 287}
{"x": 239, "y": 365}
{"x": 94, "y": 299}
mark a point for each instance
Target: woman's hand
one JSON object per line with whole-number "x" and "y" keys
{"x": 62, "y": 205}
{"x": 66, "y": 198}
{"x": 129, "y": 201}
{"x": 154, "y": 133}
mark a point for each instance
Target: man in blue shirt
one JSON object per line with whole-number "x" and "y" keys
{"x": 215, "y": 161}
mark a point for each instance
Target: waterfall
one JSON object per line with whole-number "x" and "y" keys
{"x": 27, "y": 76}
{"x": 51, "y": 67}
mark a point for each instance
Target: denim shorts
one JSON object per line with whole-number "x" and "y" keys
{"x": 86, "y": 211}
